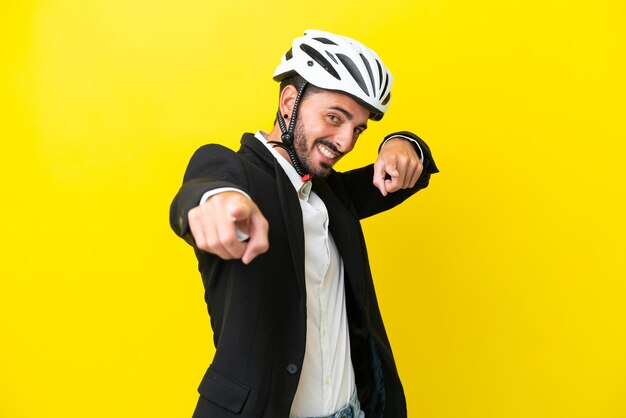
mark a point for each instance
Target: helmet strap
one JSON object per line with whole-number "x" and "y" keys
{"x": 287, "y": 136}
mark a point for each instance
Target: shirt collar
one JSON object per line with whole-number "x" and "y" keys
{"x": 302, "y": 188}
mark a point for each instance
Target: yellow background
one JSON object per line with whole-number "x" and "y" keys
{"x": 502, "y": 285}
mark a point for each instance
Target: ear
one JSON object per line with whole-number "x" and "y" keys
{"x": 287, "y": 99}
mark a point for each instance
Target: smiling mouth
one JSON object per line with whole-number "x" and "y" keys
{"x": 327, "y": 152}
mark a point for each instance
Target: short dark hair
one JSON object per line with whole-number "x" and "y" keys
{"x": 297, "y": 81}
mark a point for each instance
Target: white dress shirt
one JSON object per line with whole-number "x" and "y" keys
{"x": 327, "y": 377}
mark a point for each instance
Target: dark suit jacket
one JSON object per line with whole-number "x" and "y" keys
{"x": 258, "y": 311}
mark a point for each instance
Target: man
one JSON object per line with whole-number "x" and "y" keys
{"x": 276, "y": 231}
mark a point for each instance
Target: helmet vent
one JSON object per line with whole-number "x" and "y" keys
{"x": 386, "y": 84}
{"x": 319, "y": 58}
{"x": 369, "y": 72}
{"x": 380, "y": 74}
{"x": 384, "y": 102}
{"x": 331, "y": 57}
{"x": 354, "y": 71}
{"x": 325, "y": 41}
{"x": 289, "y": 54}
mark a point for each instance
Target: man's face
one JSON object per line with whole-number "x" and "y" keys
{"x": 327, "y": 128}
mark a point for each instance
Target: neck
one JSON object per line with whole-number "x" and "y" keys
{"x": 275, "y": 137}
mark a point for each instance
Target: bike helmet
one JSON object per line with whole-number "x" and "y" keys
{"x": 335, "y": 62}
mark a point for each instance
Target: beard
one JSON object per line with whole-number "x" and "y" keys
{"x": 304, "y": 151}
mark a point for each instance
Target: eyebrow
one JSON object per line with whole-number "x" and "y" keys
{"x": 348, "y": 115}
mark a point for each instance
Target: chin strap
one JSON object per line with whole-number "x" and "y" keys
{"x": 287, "y": 136}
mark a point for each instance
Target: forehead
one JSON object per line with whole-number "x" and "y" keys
{"x": 325, "y": 99}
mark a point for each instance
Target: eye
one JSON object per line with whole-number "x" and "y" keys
{"x": 333, "y": 118}
{"x": 359, "y": 130}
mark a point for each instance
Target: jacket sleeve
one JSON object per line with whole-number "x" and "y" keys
{"x": 367, "y": 199}
{"x": 211, "y": 167}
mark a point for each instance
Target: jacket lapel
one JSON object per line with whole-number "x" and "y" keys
{"x": 289, "y": 206}
{"x": 348, "y": 237}
{"x": 292, "y": 215}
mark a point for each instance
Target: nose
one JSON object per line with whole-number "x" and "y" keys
{"x": 345, "y": 139}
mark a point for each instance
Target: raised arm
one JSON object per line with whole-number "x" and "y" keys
{"x": 403, "y": 167}
{"x": 211, "y": 224}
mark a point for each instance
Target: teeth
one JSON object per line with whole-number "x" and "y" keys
{"x": 326, "y": 152}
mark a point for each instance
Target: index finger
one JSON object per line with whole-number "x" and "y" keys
{"x": 258, "y": 242}
{"x": 379, "y": 177}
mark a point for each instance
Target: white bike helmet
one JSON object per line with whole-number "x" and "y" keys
{"x": 335, "y": 62}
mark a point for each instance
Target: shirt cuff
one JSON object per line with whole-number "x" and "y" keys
{"x": 408, "y": 138}
{"x": 221, "y": 190}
